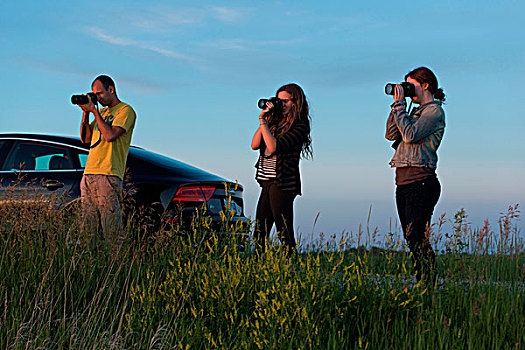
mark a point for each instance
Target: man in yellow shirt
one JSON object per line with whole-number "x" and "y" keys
{"x": 109, "y": 136}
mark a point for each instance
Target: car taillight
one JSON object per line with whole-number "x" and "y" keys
{"x": 194, "y": 194}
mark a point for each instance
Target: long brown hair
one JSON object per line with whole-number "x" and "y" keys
{"x": 280, "y": 124}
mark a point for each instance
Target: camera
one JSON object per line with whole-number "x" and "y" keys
{"x": 277, "y": 104}
{"x": 83, "y": 99}
{"x": 408, "y": 88}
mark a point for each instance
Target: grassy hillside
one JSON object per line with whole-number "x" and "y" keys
{"x": 179, "y": 290}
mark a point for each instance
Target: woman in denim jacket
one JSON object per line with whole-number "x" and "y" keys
{"x": 417, "y": 137}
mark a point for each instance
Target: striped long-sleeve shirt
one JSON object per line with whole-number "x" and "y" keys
{"x": 288, "y": 154}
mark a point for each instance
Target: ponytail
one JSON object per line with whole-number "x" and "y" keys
{"x": 439, "y": 94}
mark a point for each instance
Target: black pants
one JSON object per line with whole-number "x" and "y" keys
{"x": 274, "y": 206}
{"x": 415, "y": 205}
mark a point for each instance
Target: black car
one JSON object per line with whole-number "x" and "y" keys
{"x": 44, "y": 172}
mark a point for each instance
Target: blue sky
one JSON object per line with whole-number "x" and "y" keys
{"x": 194, "y": 71}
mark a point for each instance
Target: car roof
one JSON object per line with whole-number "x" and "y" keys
{"x": 162, "y": 160}
{"x": 70, "y": 140}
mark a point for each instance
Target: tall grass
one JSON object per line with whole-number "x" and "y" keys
{"x": 186, "y": 290}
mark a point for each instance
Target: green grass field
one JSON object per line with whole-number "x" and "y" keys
{"x": 181, "y": 291}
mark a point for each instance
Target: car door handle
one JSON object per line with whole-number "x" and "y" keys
{"x": 52, "y": 185}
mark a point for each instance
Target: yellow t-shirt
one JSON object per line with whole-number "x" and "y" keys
{"x": 109, "y": 158}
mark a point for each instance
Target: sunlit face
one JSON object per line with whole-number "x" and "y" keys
{"x": 105, "y": 97}
{"x": 419, "y": 90}
{"x": 286, "y": 98}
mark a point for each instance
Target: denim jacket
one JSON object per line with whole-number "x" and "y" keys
{"x": 416, "y": 136}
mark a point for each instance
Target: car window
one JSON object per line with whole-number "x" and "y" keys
{"x": 28, "y": 155}
{"x": 83, "y": 159}
{"x": 2, "y": 152}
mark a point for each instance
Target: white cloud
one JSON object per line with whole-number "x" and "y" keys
{"x": 227, "y": 14}
{"x": 227, "y": 44}
{"x": 112, "y": 39}
{"x": 162, "y": 19}
{"x": 120, "y": 41}
{"x": 241, "y": 44}
{"x": 165, "y": 20}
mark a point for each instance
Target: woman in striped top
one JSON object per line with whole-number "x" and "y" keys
{"x": 282, "y": 138}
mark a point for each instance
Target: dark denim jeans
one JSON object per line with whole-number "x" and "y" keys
{"x": 274, "y": 206}
{"x": 415, "y": 205}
